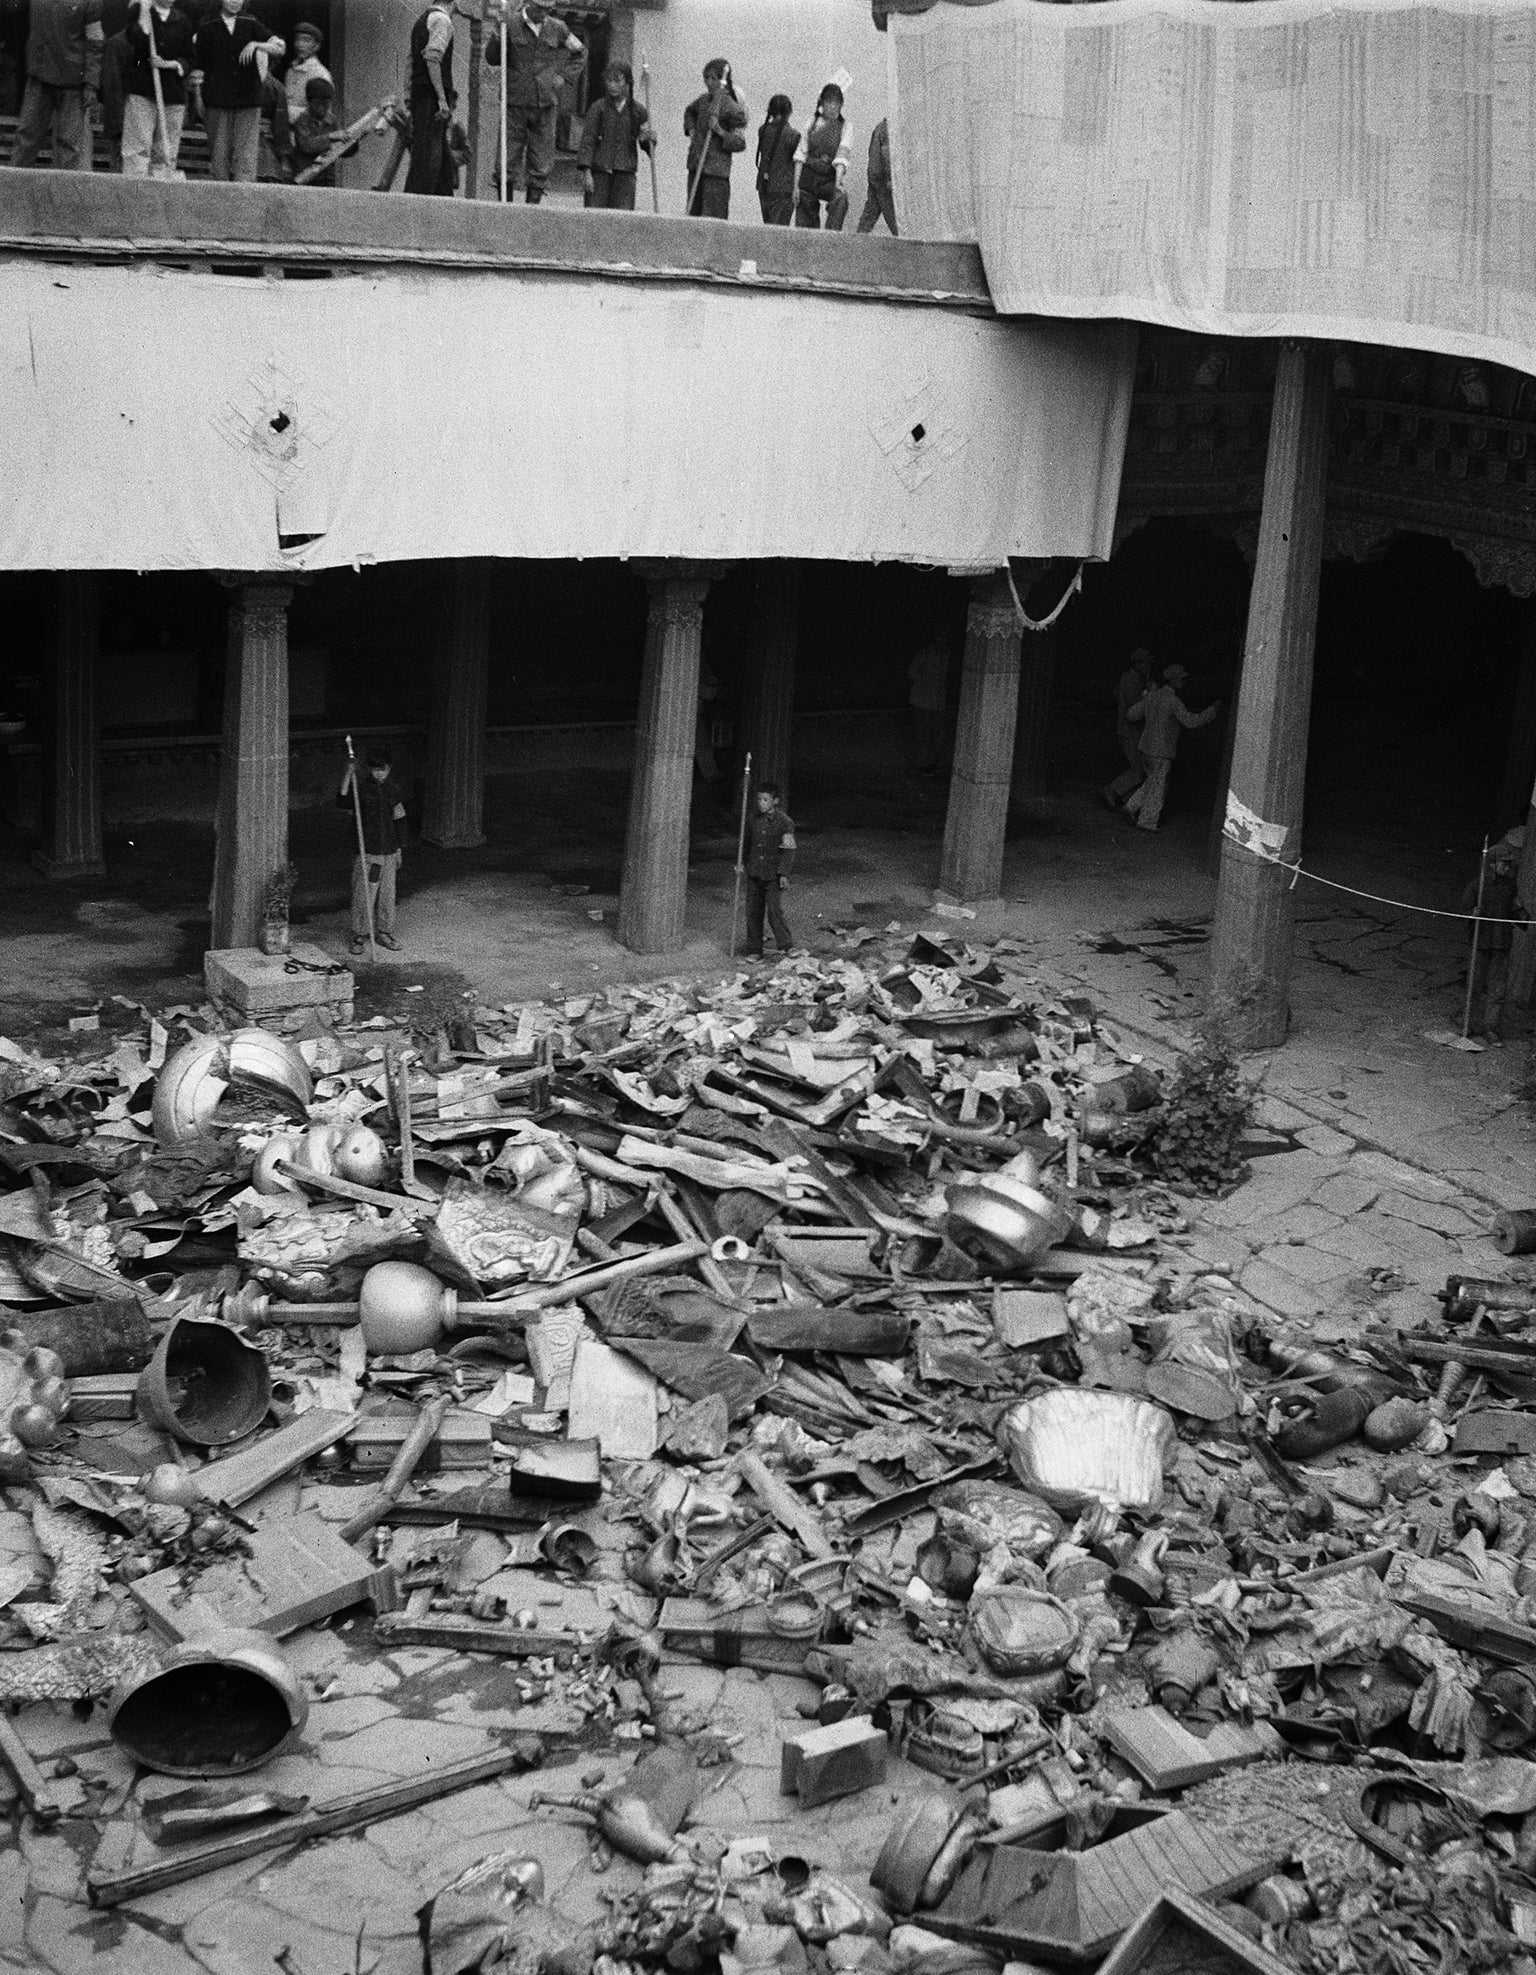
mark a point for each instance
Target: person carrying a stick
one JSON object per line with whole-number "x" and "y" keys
{"x": 383, "y": 831}
{"x": 715, "y": 125}
{"x": 770, "y": 857}
{"x": 159, "y": 41}
{"x": 1495, "y": 902}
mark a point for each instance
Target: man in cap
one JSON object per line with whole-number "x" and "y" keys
{"x": 542, "y": 54}
{"x": 1161, "y": 713}
{"x": 305, "y": 68}
{"x": 1134, "y": 681}
{"x": 715, "y": 125}
{"x": 1498, "y": 906}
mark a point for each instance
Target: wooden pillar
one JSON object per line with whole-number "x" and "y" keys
{"x": 1252, "y": 937}
{"x": 72, "y": 778}
{"x": 252, "y": 844}
{"x": 768, "y": 709}
{"x": 982, "y": 776}
{"x": 454, "y": 813}
{"x": 654, "y": 892}
{"x": 1037, "y": 677}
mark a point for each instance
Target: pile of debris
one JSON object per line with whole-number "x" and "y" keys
{"x": 832, "y": 1322}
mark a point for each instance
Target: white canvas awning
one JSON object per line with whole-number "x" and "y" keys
{"x": 165, "y": 418}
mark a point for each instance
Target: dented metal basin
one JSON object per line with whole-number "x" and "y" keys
{"x": 190, "y": 1087}
{"x": 220, "y": 1705}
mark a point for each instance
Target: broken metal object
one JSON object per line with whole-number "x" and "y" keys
{"x": 1002, "y": 1219}
{"x": 641, "y": 1815}
{"x": 1021, "y": 1631}
{"x": 192, "y": 1083}
{"x": 470, "y": 1923}
{"x": 325, "y": 1152}
{"x": 219, "y": 1705}
{"x": 194, "y": 1813}
{"x": 924, "y": 1851}
{"x": 402, "y": 1308}
{"x": 560, "y": 1470}
{"x": 1074, "y": 1906}
{"x": 205, "y": 1384}
{"x": 350, "y": 1813}
{"x": 109, "y": 1334}
{"x": 1077, "y": 1448}
{"x": 1139, "y": 1580}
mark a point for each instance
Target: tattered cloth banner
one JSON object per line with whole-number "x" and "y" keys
{"x": 1353, "y": 169}
{"x": 392, "y": 416}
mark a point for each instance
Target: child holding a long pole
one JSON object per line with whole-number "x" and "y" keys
{"x": 379, "y": 816}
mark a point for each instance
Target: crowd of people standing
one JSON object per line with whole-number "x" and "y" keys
{"x": 216, "y": 63}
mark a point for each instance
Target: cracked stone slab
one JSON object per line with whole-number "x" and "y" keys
{"x": 1310, "y": 1265}
{"x": 1279, "y": 1292}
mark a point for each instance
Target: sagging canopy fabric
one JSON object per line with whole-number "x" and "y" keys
{"x": 166, "y": 419}
{"x": 1358, "y": 169}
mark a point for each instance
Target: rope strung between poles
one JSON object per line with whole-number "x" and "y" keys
{"x": 1398, "y": 904}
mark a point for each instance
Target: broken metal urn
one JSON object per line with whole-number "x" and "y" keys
{"x": 205, "y": 1384}
{"x": 1002, "y": 1219}
{"x": 220, "y": 1705}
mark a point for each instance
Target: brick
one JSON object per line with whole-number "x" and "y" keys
{"x": 822, "y": 1763}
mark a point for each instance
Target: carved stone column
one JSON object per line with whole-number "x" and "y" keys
{"x": 768, "y": 711}
{"x": 654, "y": 892}
{"x": 72, "y": 765}
{"x": 980, "y": 781}
{"x": 454, "y": 812}
{"x": 1252, "y": 938}
{"x": 252, "y": 840}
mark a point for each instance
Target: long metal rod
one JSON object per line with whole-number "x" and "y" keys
{"x": 1477, "y": 920}
{"x": 501, "y": 133}
{"x": 645, "y": 85}
{"x": 362, "y": 854}
{"x": 741, "y": 845}
{"x": 709, "y": 137}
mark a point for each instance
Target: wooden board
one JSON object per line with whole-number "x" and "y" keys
{"x": 1167, "y": 1756}
{"x": 298, "y": 1571}
{"x": 238, "y": 1477}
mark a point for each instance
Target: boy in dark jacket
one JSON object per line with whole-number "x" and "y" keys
{"x": 770, "y": 857}
{"x": 171, "y": 55}
{"x": 714, "y": 124}
{"x": 316, "y": 129}
{"x": 383, "y": 810}
{"x": 776, "y": 144}
{"x": 616, "y": 131}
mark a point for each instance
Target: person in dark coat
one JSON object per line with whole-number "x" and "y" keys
{"x": 715, "y": 125}
{"x": 231, "y": 50}
{"x": 432, "y": 97}
{"x": 770, "y": 857}
{"x": 776, "y": 145}
{"x": 172, "y": 58}
{"x": 315, "y": 130}
{"x": 383, "y": 812}
{"x": 1495, "y": 934}
{"x": 822, "y": 164}
{"x": 542, "y": 55}
{"x": 879, "y": 200}
{"x": 616, "y": 131}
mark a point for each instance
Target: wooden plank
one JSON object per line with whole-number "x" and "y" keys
{"x": 351, "y": 1813}
{"x": 238, "y": 1477}
{"x": 1177, "y": 1918}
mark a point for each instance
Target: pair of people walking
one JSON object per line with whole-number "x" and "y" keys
{"x": 1148, "y": 720}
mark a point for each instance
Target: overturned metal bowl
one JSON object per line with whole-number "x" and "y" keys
{"x": 1002, "y": 1219}
{"x": 922, "y": 1855}
{"x": 1079, "y": 1447}
{"x": 220, "y": 1705}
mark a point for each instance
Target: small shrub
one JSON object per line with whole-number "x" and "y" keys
{"x": 1208, "y": 1110}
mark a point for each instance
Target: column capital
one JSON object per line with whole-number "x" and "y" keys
{"x": 677, "y": 599}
